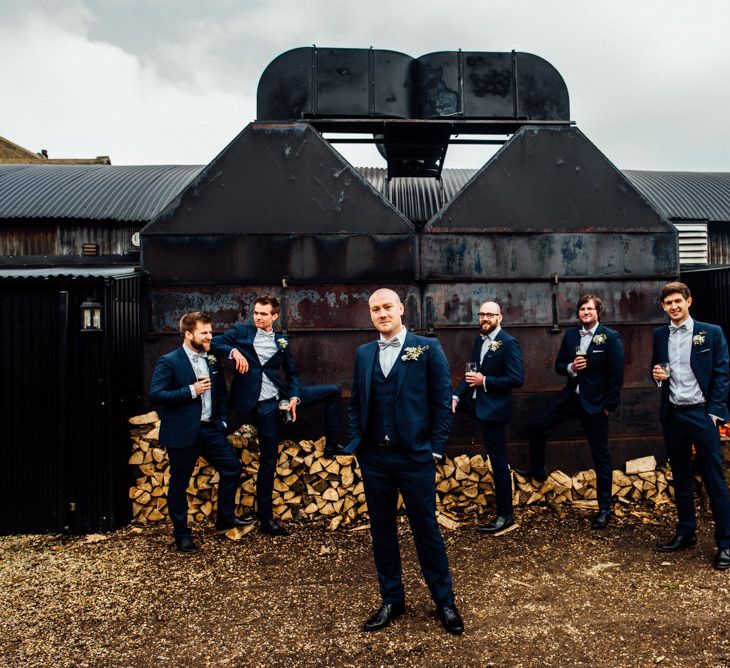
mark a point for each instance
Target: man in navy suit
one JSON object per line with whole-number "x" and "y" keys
{"x": 189, "y": 385}
{"x": 400, "y": 419}
{"x": 693, "y": 405}
{"x": 260, "y": 355}
{"x": 592, "y": 358}
{"x": 487, "y": 392}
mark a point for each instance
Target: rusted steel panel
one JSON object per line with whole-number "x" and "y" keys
{"x": 529, "y": 303}
{"x": 266, "y": 259}
{"x": 578, "y": 255}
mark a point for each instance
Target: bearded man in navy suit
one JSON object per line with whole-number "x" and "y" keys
{"x": 592, "y": 358}
{"x": 189, "y": 385}
{"x": 261, "y": 355}
{"x": 690, "y": 363}
{"x": 400, "y": 419}
{"x": 487, "y": 393}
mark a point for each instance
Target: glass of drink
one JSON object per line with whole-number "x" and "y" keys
{"x": 470, "y": 367}
{"x": 284, "y": 408}
{"x": 666, "y": 369}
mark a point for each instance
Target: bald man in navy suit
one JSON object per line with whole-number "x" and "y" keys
{"x": 400, "y": 420}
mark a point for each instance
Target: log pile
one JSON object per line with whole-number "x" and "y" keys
{"x": 310, "y": 486}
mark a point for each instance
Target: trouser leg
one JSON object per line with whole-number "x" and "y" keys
{"x": 182, "y": 463}
{"x": 218, "y": 451}
{"x": 494, "y": 434}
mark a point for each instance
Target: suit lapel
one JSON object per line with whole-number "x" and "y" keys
{"x": 185, "y": 365}
{"x": 664, "y": 344}
{"x": 367, "y": 379}
{"x": 403, "y": 370}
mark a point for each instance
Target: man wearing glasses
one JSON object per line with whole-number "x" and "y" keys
{"x": 495, "y": 368}
{"x": 592, "y": 358}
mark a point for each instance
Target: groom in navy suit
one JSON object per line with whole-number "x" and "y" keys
{"x": 690, "y": 363}
{"x": 261, "y": 355}
{"x": 486, "y": 392}
{"x": 400, "y": 419}
{"x": 189, "y": 385}
{"x": 592, "y": 358}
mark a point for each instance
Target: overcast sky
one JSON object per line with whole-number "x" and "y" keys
{"x": 173, "y": 81}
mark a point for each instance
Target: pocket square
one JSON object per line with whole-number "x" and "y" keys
{"x": 706, "y": 350}
{"x": 595, "y": 352}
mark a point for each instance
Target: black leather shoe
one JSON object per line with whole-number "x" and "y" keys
{"x": 499, "y": 523}
{"x": 722, "y": 559}
{"x": 681, "y": 541}
{"x": 185, "y": 544}
{"x": 600, "y": 520}
{"x": 451, "y": 619}
{"x": 238, "y": 522}
{"x": 539, "y": 476}
{"x": 272, "y": 528}
{"x": 384, "y": 615}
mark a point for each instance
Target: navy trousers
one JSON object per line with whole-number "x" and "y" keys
{"x": 495, "y": 441}
{"x": 331, "y": 397}
{"x": 595, "y": 426}
{"x": 385, "y": 471}
{"x": 681, "y": 429}
{"x": 213, "y": 445}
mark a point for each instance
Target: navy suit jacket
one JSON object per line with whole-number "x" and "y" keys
{"x": 246, "y": 387}
{"x": 709, "y": 362}
{"x": 179, "y": 412}
{"x": 600, "y": 382}
{"x": 422, "y": 403}
{"x": 503, "y": 370}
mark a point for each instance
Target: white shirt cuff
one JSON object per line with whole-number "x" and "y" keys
{"x": 192, "y": 391}
{"x": 570, "y": 370}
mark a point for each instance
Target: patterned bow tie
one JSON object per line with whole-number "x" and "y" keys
{"x": 586, "y": 332}
{"x": 392, "y": 343}
{"x": 267, "y": 335}
{"x": 680, "y": 328}
{"x": 485, "y": 337}
{"x": 200, "y": 356}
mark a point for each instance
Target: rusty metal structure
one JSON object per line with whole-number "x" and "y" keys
{"x": 545, "y": 220}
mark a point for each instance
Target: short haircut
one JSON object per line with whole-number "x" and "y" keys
{"x": 596, "y": 300}
{"x": 265, "y": 300}
{"x": 674, "y": 288}
{"x": 190, "y": 321}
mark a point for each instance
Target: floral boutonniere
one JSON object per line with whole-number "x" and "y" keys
{"x": 495, "y": 345}
{"x": 598, "y": 339}
{"x": 699, "y": 339}
{"x": 212, "y": 359}
{"x": 283, "y": 343}
{"x": 412, "y": 353}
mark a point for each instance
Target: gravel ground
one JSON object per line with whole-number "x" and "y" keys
{"x": 551, "y": 593}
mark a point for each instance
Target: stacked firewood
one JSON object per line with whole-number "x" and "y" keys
{"x": 309, "y": 485}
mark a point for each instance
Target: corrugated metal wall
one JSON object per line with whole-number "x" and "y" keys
{"x": 65, "y": 442}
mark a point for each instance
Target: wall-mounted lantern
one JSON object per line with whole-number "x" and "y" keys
{"x": 91, "y": 316}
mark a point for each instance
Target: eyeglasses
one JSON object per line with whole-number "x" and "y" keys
{"x": 488, "y": 316}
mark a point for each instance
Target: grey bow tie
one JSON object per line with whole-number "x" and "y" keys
{"x": 485, "y": 337}
{"x": 392, "y": 343}
{"x": 586, "y": 332}
{"x": 680, "y": 328}
{"x": 268, "y": 335}
{"x": 201, "y": 356}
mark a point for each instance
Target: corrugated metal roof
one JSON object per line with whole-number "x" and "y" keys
{"x": 98, "y": 192}
{"x": 139, "y": 193}
{"x": 418, "y": 199}
{"x": 685, "y": 195}
{"x": 67, "y": 272}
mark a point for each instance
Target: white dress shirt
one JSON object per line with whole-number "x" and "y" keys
{"x": 199, "y": 362}
{"x": 264, "y": 343}
{"x": 683, "y": 386}
{"x": 389, "y": 355}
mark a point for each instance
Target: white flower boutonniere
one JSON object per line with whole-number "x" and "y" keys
{"x": 699, "y": 339}
{"x": 495, "y": 345}
{"x": 212, "y": 359}
{"x": 598, "y": 339}
{"x": 412, "y": 353}
{"x": 283, "y": 343}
